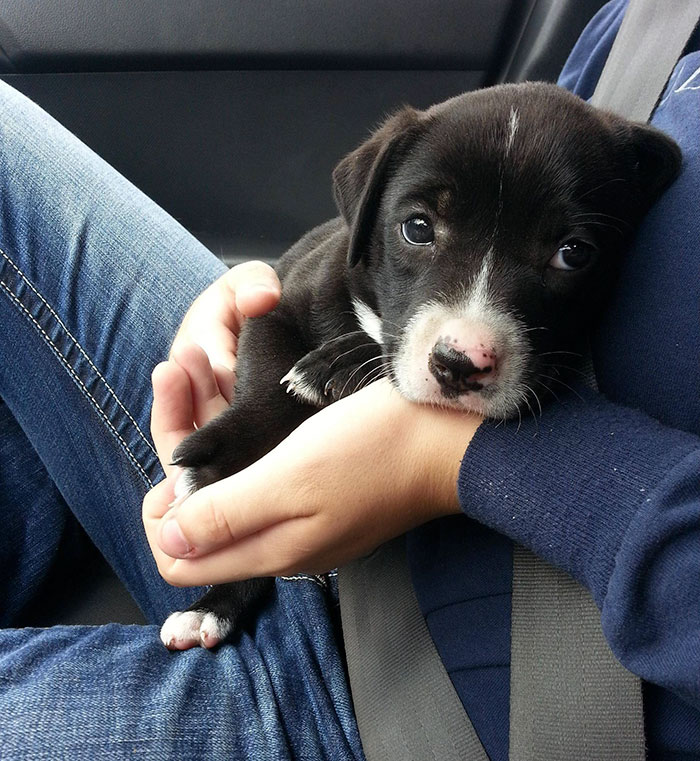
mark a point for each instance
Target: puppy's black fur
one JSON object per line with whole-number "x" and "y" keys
{"x": 530, "y": 196}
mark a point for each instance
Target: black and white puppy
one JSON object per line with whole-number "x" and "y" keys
{"x": 476, "y": 243}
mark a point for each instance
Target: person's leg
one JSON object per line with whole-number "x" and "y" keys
{"x": 94, "y": 280}
{"x": 37, "y": 526}
{"x": 115, "y": 692}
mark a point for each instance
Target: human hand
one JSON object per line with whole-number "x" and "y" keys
{"x": 353, "y": 476}
{"x": 196, "y": 383}
{"x": 214, "y": 320}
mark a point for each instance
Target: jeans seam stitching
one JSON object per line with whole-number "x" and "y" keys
{"x": 81, "y": 350}
{"x": 303, "y": 577}
{"x": 78, "y": 380}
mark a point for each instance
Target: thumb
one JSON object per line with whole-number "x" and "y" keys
{"x": 223, "y": 513}
{"x": 254, "y": 286}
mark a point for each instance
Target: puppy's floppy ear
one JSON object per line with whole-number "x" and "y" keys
{"x": 359, "y": 178}
{"x": 657, "y": 160}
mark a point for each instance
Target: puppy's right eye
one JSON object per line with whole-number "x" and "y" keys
{"x": 572, "y": 255}
{"x": 418, "y": 231}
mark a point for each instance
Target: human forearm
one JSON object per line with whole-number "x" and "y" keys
{"x": 613, "y": 498}
{"x": 356, "y": 474}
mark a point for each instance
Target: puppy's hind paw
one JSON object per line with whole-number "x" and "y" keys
{"x": 194, "y": 628}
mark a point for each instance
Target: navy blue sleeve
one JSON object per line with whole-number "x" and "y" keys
{"x": 599, "y": 488}
{"x": 612, "y": 497}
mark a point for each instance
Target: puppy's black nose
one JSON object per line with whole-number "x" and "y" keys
{"x": 455, "y": 371}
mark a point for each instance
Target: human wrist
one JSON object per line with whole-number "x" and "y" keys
{"x": 440, "y": 438}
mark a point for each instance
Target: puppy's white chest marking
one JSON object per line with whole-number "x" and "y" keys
{"x": 369, "y": 321}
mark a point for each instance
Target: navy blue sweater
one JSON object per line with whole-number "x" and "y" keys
{"x": 606, "y": 487}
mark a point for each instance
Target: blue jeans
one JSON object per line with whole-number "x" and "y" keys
{"x": 94, "y": 280}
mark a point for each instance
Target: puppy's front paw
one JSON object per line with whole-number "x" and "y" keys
{"x": 213, "y": 452}
{"x": 333, "y": 371}
{"x": 185, "y": 484}
{"x": 304, "y": 386}
{"x": 194, "y": 628}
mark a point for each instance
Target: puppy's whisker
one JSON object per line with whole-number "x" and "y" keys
{"x": 377, "y": 372}
{"x": 602, "y": 185}
{"x": 566, "y": 385}
{"x": 344, "y": 335}
{"x": 356, "y": 370}
{"x": 549, "y": 389}
{"x": 604, "y": 224}
{"x": 537, "y": 399}
{"x": 567, "y": 369}
{"x": 532, "y": 412}
{"x": 350, "y": 351}
{"x": 588, "y": 214}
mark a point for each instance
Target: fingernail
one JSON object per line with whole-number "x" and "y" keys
{"x": 259, "y": 287}
{"x": 173, "y": 541}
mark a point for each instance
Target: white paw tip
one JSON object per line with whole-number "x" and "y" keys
{"x": 297, "y": 385}
{"x": 181, "y": 630}
{"x": 192, "y": 628}
{"x": 184, "y": 486}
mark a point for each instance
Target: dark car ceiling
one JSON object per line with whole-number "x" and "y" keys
{"x": 232, "y": 115}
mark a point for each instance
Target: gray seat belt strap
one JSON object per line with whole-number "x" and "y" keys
{"x": 570, "y": 698}
{"x": 406, "y": 706}
{"x": 646, "y": 49}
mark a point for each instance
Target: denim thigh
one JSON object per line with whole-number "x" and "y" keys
{"x": 94, "y": 280}
{"x": 115, "y": 692}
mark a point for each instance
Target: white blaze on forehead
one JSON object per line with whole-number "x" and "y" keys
{"x": 369, "y": 320}
{"x": 513, "y": 122}
{"x": 478, "y": 294}
{"x": 512, "y": 127}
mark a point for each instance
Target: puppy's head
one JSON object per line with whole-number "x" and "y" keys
{"x": 486, "y": 231}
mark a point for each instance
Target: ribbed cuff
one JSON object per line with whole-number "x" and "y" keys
{"x": 568, "y": 485}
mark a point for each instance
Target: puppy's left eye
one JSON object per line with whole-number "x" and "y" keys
{"x": 418, "y": 231}
{"x": 573, "y": 255}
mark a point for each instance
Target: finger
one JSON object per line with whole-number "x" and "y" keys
{"x": 273, "y": 551}
{"x": 157, "y": 501}
{"x": 172, "y": 413}
{"x": 155, "y": 504}
{"x": 207, "y": 400}
{"x": 226, "y": 380}
{"x": 255, "y": 288}
{"x": 214, "y": 329}
{"x": 218, "y": 340}
{"x": 227, "y": 511}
